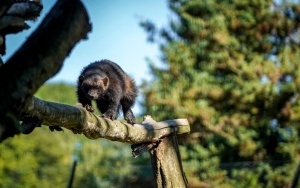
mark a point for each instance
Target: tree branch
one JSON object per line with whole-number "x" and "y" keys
{"x": 80, "y": 120}
{"x": 38, "y": 59}
{"x": 5, "y": 4}
{"x": 13, "y": 17}
{"x": 42, "y": 55}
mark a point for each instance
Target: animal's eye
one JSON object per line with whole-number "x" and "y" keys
{"x": 100, "y": 88}
{"x": 85, "y": 87}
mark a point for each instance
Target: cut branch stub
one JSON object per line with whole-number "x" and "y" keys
{"x": 92, "y": 126}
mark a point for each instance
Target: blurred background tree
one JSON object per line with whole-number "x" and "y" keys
{"x": 231, "y": 68}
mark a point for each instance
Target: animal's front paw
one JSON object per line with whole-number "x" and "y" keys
{"x": 109, "y": 115}
{"x": 89, "y": 108}
{"x": 130, "y": 120}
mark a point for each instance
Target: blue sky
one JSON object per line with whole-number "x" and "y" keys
{"x": 116, "y": 35}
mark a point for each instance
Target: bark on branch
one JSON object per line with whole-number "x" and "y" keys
{"x": 166, "y": 164}
{"x": 92, "y": 126}
{"x": 38, "y": 59}
{"x": 13, "y": 17}
{"x": 43, "y": 53}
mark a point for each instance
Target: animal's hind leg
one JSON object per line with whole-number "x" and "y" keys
{"x": 127, "y": 112}
{"x": 129, "y": 117}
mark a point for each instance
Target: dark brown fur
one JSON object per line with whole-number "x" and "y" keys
{"x": 106, "y": 83}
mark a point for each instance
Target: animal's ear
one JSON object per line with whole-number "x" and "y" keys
{"x": 105, "y": 81}
{"x": 81, "y": 78}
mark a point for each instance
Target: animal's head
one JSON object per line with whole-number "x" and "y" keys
{"x": 94, "y": 86}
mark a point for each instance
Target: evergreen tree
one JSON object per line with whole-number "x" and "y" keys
{"x": 231, "y": 67}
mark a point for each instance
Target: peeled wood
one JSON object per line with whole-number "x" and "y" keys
{"x": 92, "y": 126}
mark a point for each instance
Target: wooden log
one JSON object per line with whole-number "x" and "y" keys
{"x": 93, "y": 126}
{"x": 166, "y": 164}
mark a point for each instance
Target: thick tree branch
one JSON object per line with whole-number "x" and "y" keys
{"x": 5, "y": 4}
{"x": 42, "y": 55}
{"x": 13, "y": 17}
{"x": 81, "y": 121}
{"x": 38, "y": 59}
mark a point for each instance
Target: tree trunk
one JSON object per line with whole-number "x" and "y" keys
{"x": 166, "y": 164}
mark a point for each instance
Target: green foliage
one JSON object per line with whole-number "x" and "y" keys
{"x": 60, "y": 93}
{"x": 44, "y": 158}
{"x": 231, "y": 68}
{"x": 33, "y": 160}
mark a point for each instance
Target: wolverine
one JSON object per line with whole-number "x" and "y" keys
{"x": 110, "y": 87}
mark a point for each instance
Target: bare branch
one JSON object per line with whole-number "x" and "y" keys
{"x": 42, "y": 55}
{"x": 81, "y": 121}
{"x": 38, "y": 59}
{"x": 13, "y": 17}
{"x": 5, "y": 4}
